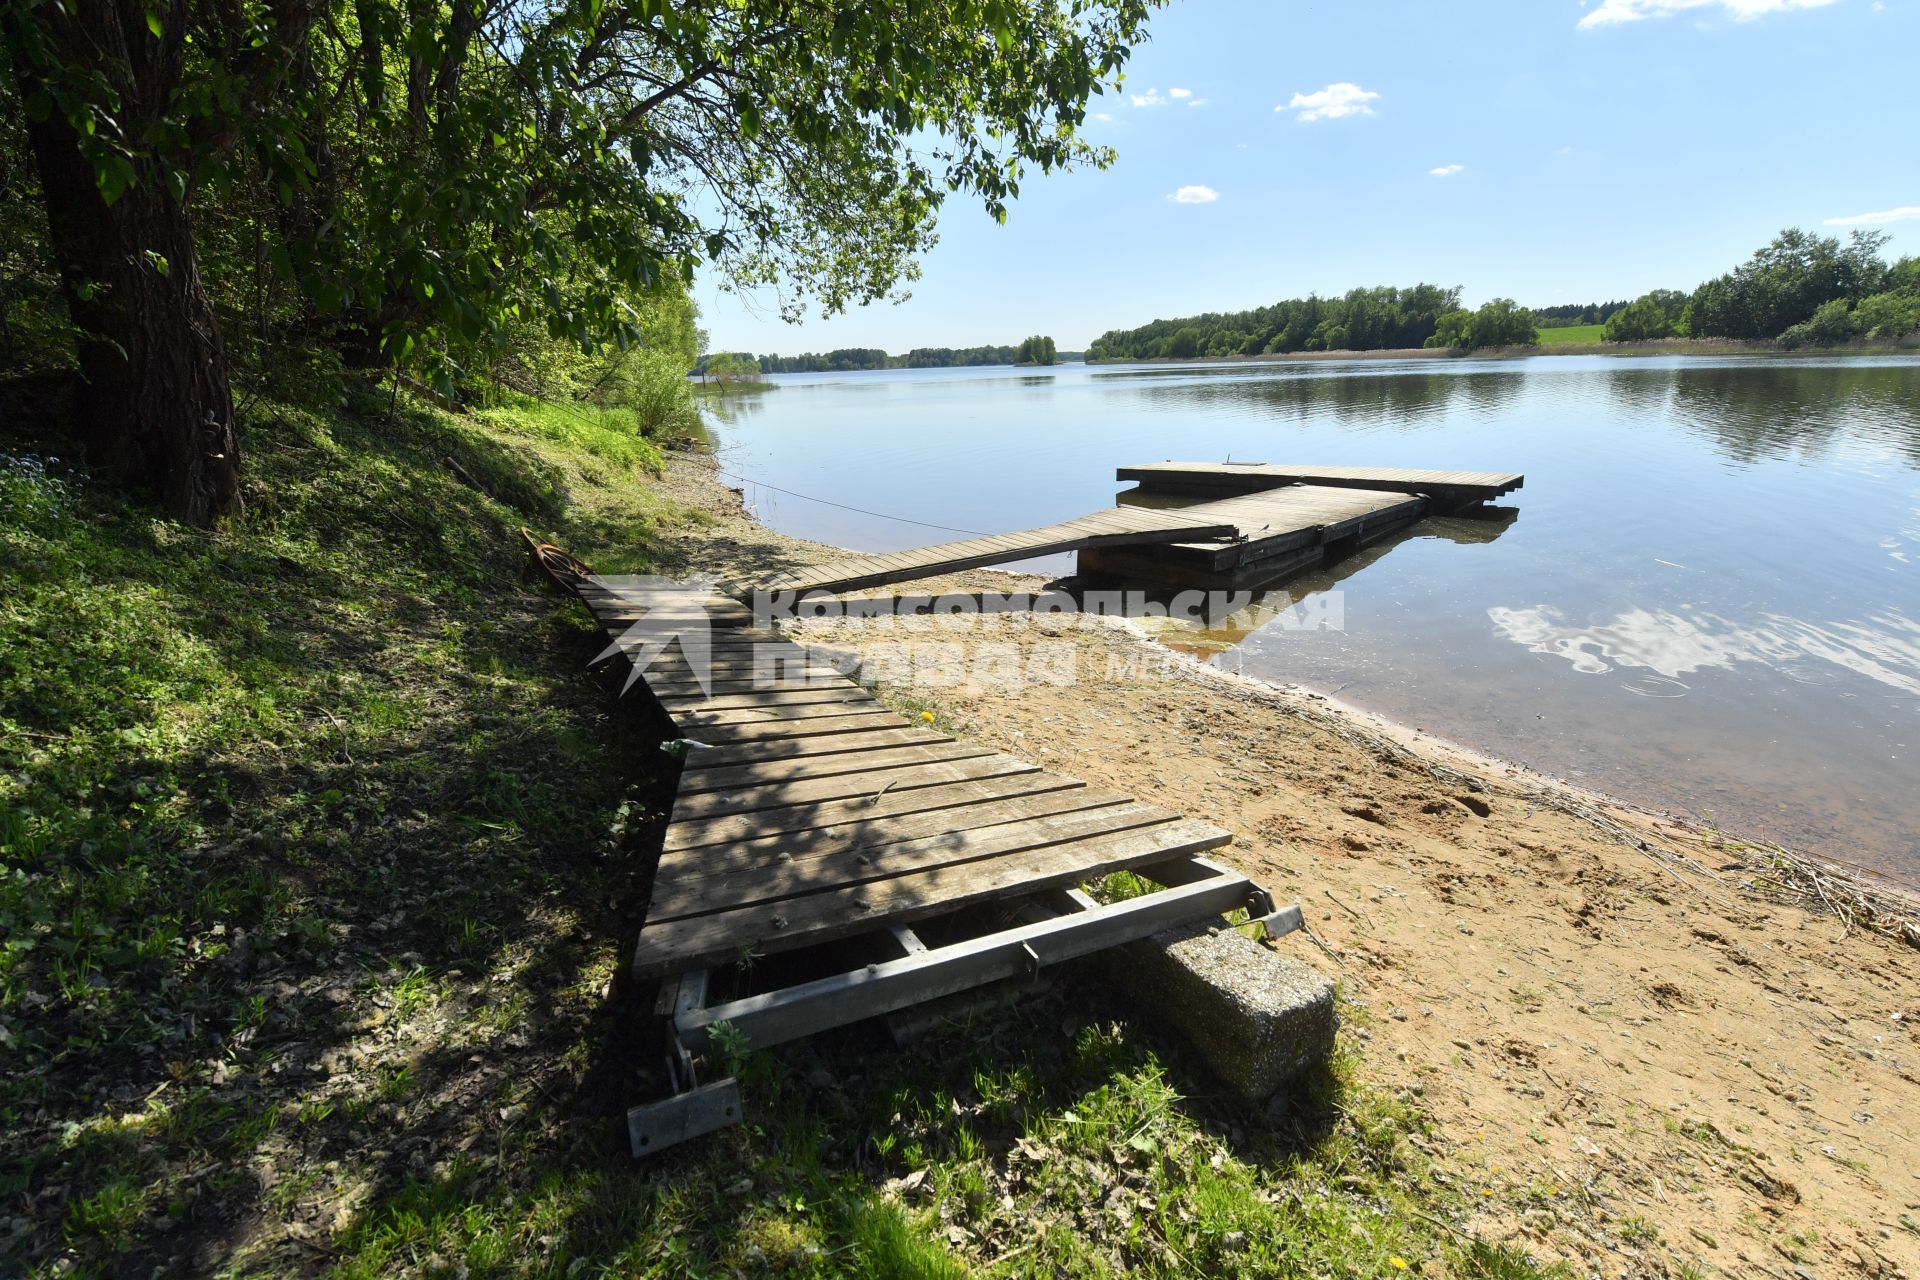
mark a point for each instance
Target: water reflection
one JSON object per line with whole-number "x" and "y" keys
{"x": 1884, "y": 648}
{"x": 1402, "y": 401}
{"x": 1762, "y": 410}
{"x": 1290, "y": 606}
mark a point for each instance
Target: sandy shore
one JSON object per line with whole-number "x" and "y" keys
{"x": 1642, "y": 1057}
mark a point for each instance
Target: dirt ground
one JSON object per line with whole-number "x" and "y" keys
{"x": 1641, "y": 1061}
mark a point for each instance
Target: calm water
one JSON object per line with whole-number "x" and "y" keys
{"x": 1710, "y": 601}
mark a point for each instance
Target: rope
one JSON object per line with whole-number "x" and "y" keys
{"x": 878, "y": 515}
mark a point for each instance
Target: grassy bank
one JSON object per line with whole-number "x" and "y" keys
{"x": 319, "y": 855}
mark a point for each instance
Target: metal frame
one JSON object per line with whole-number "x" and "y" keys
{"x": 1061, "y": 925}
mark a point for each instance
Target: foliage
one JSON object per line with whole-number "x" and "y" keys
{"x": 1037, "y": 350}
{"x": 1829, "y": 326}
{"x": 732, "y": 367}
{"x": 446, "y": 171}
{"x": 1501, "y": 322}
{"x": 1888, "y": 315}
{"x": 1362, "y": 320}
{"x": 1661, "y": 313}
{"x": 849, "y": 359}
{"x": 1786, "y": 282}
{"x": 1575, "y": 314}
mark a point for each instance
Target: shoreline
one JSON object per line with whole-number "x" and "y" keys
{"x": 1610, "y": 1014}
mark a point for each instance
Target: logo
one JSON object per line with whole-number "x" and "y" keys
{"x": 663, "y": 611}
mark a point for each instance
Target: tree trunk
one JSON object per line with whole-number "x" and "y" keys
{"x": 155, "y": 404}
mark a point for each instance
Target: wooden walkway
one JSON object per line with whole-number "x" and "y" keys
{"x": 1116, "y": 527}
{"x": 811, "y": 812}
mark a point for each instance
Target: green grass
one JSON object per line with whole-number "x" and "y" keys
{"x": 319, "y": 857}
{"x": 1571, "y": 335}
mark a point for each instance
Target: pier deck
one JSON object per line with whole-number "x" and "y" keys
{"x": 1215, "y": 479}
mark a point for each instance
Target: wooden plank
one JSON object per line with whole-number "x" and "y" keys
{"x": 691, "y": 895}
{"x": 867, "y": 784}
{"x": 838, "y": 691}
{"x": 764, "y": 771}
{"x": 787, "y": 714}
{"x": 787, "y": 1014}
{"x": 656, "y": 1126}
{"x": 792, "y": 748}
{"x": 865, "y": 833}
{"x": 825, "y": 916}
{"x": 748, "y": 826}
{"x": 727, "y": 734}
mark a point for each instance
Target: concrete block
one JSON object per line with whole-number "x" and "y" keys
{"x": 1258, "y": 1016}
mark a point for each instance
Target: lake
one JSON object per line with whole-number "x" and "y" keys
{"x": 1710, "y": 601}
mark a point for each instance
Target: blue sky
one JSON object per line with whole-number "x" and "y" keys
{"x": 1546, "y": 150}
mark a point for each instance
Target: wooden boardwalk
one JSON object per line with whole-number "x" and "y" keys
{"x": 1116, "y": 527}
{"x": 811, "y": 812}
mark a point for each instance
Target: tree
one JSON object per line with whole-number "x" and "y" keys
{"x": 438, "y": 172}
{"x": 1037, "y": 349}
{"x": 1784, "y": 283}
{"x": 1658, "y": 314}
{"x": 1500, "y": 322}
{"x": 731, "y": 366}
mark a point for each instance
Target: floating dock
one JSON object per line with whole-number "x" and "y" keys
{"x": 1255, "y": 525}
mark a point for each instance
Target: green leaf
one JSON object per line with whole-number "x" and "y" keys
{"x": 155, "y": 25}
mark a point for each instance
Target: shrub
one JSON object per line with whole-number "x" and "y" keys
{"x": 652, "y": 384}
{"x": 1829, "y": 326}
{"x": 1887, "y": 315}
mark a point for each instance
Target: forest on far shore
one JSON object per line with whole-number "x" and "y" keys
{"x": 1799, "y": 290}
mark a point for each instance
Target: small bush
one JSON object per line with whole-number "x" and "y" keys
{"x": 652, "y": 385}
{"x": 1887, "y": 315}
{"x": 1831, "y": 325}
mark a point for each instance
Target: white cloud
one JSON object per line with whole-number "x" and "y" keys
{"x": 1447, "y": 170}
{"x": 1194, "y": 195}
{"x": 1613, "y": 12}
{"x": 1332, "y": 102}
{"x": 1151, "y": 98}
{"x": 1197, "y": 102}
{"x": 1905, "y": 213}
{"x": 1103, "y": 117}
{"x": 1179, "y": 93}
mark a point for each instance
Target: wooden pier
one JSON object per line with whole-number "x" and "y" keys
{"x": 1256, "y": 525}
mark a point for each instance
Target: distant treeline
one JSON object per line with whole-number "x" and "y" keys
{"x": 1363, "y": 320}
{"x": 850, "y": 359}
{"x": 1572, "y": 314}
{"x": 1800, "y": 290}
